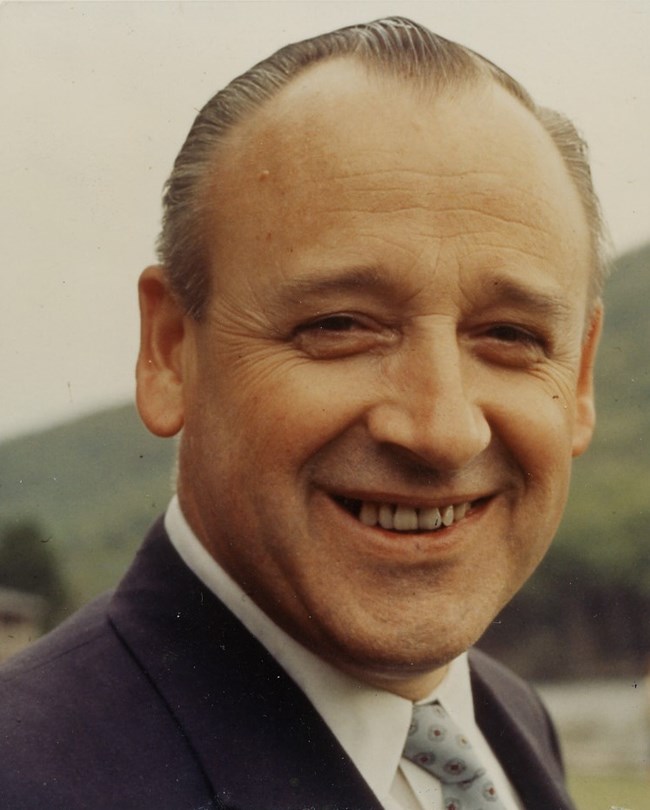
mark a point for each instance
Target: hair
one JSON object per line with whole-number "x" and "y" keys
{"x": 393, "y": 46}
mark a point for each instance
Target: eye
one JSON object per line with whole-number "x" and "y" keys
{"x": 511, "y": 345}
{"x": 340, "y": 334}
{"x": 333, "y": 323}
{"x": 513, "y": 334}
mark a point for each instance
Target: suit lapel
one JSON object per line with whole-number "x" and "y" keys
{"x": 259, "y": 742}
{"x": 520, "y": 733}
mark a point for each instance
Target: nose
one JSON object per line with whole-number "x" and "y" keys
{"x": 429, "y": 406}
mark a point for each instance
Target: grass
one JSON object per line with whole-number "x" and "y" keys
{"x": 630, "y": 791}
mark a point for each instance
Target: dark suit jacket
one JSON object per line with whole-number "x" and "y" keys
{"x": 157, "y": 698}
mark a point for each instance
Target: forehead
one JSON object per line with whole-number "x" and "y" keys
{"x": 339, "y": 150}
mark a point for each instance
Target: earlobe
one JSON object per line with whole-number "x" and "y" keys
{"x": 585, "y": 418}
{"x": 159, "y": 370}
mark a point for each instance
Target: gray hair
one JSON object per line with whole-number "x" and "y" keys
{"x": 395, "y": 46}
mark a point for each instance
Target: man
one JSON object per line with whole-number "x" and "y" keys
{"x": 374, "y": 322}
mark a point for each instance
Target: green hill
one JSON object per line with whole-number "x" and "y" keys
{"x": 95, "y": 484}
{"x": 608, "y": 523}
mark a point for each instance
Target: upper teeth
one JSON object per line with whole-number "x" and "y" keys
{"x": 408, "y": 518}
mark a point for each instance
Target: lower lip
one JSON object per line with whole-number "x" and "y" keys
{"x": 418, "y": 544}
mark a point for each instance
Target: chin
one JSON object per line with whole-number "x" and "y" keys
{"x": 412, "y": 677}
{"x": 403, "y": 655}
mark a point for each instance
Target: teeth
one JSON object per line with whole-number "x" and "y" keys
{"x": 460, "y": 511}
{"x": 448, "y": 516}
{"x": 406, "y": 519}
{"x": 430, "y": 519}
{"x": 369, "y": 513}
{"x": 403, "y": 518}
{"x": 386, "y": 516}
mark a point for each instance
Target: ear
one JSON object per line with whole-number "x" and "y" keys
{"x": 585, "y": 419}
{"x": 159, "y": 370}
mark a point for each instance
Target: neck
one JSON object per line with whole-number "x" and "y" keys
{"x": 412, "y": 688}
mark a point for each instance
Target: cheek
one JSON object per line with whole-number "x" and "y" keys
{"x": 543, "y": 440}
{"x": 293, "y": 412}
{"x": 534, "y": 416}
{"x": 535, "y": 433}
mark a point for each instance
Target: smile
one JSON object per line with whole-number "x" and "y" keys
{"x": 403, "y": 518}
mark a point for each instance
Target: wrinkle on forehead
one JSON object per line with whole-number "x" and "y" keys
{"x": 336, "y": 145}
{"x": 317, "y": 113}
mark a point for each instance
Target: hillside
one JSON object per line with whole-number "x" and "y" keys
{"x": 608, "y": 523}
{"x": 95, "y": 484}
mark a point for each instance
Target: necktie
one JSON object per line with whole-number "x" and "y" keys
{"x": 435, "y": 743}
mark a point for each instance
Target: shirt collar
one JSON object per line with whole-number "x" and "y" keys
{"x": 370, "y": 724}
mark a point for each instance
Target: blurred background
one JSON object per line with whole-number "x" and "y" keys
{"x": 96, "y": 100}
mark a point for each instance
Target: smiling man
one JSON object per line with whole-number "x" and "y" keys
{"x": 374, "y": 324}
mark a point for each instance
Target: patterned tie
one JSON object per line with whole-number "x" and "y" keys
{"x": 435, "y": 743}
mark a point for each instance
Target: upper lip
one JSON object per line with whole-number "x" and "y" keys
{"x": 414, "y": 501}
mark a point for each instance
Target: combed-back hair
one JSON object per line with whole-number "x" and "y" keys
{"x": 394, "y": 46}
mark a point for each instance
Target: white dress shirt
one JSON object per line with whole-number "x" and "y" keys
{"x": 370, "y": 724}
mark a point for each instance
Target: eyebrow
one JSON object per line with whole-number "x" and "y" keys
{"x": 493, "y": 289}
{"x": 362, "y": 277}
{"x": 545, "y": 303}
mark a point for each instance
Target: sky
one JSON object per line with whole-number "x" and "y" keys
{"x": 96, "y": 99}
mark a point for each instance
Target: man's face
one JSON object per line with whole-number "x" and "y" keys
{"x": 395, "y": 340}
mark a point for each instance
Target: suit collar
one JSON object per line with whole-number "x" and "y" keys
{"x": 520, "y": 733}
{"x": 219, "y": 682}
